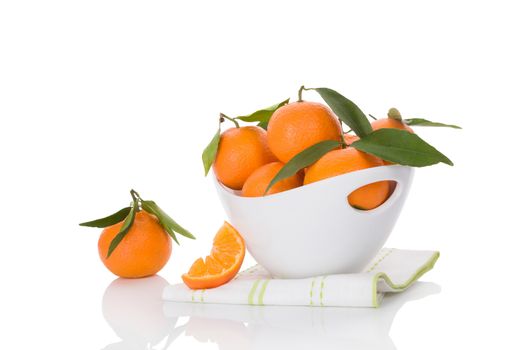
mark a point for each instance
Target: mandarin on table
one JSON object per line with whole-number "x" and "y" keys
{"x": 143, "y": 252}
{"x": 299, "y": 125}
{"x": 241, "y": 151}
{"x": 222, "y": 264}
{"x": 342, "y": 161}
{"x": 256, "y": 184}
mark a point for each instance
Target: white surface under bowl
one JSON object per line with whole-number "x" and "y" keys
{"x": 312, "y": 230}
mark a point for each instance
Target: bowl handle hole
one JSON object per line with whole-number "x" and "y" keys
{"x": 371, "y": 196}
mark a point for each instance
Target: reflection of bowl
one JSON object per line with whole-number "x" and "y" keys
{"x": 312, "y": 230}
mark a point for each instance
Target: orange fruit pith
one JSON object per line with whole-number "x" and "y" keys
{"x": 299, "y": 125}
{"x": 241, "y": 151}
{"x": 222, "y": 264}
{"x": 144, "y": 250}
{"x": 259, "y": 180}
{"x": 342, "y": 161}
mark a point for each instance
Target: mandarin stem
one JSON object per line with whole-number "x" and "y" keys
{"x": 300, "y": 94}
{"x": 230, "y": 119}
{"x": 393, "y": 113}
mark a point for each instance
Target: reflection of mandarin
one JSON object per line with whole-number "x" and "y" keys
{"x": 342, "y": 161}
{"x": 133, "y": 309}
{"x": 143, "y": 251}
{"x": 256, "y": 184}
{"x": 299, "y": 125}
{"x": 241, "y": 151}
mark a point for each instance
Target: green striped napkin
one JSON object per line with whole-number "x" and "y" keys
{"x": 392, "y": 270}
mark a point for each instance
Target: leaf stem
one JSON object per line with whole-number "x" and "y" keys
{"x": 230, "y": 119}
{"x": 135, "y": 195}
{"x": 300, "y": 93}
{"x": 343, "y": 143}
{"x": 136, "y": 199}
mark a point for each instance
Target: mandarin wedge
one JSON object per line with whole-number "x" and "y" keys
{"x": 223, "y": 263}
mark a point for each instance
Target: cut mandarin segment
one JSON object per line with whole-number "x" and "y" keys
{"x": 225, "y": 260}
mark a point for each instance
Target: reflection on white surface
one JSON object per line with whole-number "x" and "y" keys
{"x": 135, "y": 312}
{"x": 133, "y": 309}
{"x": 234, "y": 327}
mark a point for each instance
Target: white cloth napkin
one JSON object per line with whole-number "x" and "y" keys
{"x": 392, "y": 270}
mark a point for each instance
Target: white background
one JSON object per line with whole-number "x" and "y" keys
{"x": 97, "y": 97}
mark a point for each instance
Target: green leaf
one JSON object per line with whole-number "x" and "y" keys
{"x": 303, "y": 159}
{"x": 424, "y": 122}
{"x": 401, "y": 147}
{"x": 209, "y": 153}
{"x": 263, "y": 125}
{"x": 165, "y": 220}
{"x": 108, "y": 220}
{"x": 263, "y": 115}
{"x": 128, "y": 222}
{"x": 346, "y": 110}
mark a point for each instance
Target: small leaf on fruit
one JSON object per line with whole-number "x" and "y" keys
{"x": 263, "y": 125}
{"x": 263, "y": 115}
{"x": 346, "y": 110}
{"x": 209, "y": 153}
{"x": 303, "y": 159}
{"x": 108, "y": 220}
{"x": 401, "y": 147}
{"x": 424, "y": 122}
{"x": 166, "y": 221}
{"x": 126, "y": 225}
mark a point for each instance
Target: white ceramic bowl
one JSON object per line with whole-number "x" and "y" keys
{"x": 312, "y": 230}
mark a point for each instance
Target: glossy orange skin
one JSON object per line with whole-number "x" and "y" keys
{"x": 259, "y": 180}
{"x": 349, "y": 139}
{"x": 241, "y": 151}
{"x": 346, "y": 160}
{"x": 299, "y": 125}
{"x": 389, "y": 123}
{"x": 222, "y": 264}
{"x": 144, "y": 250}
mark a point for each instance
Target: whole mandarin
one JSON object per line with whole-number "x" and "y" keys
{"x": 241, "y": 151}
{"x": 299, "y": 125}
{"x": 143, "y": 251}
{"x": 256, "y": 184}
